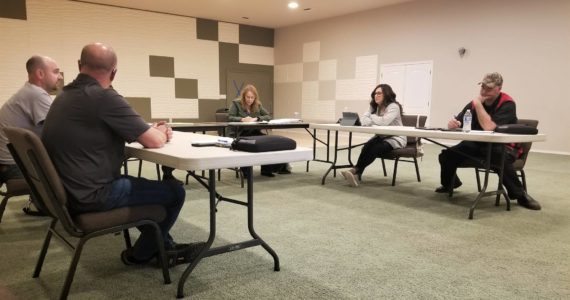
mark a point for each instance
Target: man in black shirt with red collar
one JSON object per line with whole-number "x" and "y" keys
{"x": 489, "y": 110}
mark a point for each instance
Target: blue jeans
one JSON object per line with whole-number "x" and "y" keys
{"x": 132, "y": 191}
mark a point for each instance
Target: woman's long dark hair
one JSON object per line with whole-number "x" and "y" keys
{"x": 389, "y": 97}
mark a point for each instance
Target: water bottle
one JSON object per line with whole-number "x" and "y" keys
{"x": 467, "y": 120}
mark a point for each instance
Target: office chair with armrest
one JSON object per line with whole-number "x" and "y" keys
{"x": 47, "y": 188}
{"x": 411, "y": 152}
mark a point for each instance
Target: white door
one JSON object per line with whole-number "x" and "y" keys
{"x": 412, "y": 84}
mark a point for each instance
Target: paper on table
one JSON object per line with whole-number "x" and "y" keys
{"x": 284, "y": 121}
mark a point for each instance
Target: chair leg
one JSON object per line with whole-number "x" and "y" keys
{"x": 140, "y": 168}
{"x": 417, "y": 169}
{"x": 478, "y": 179}
{"x": 498, "y": 196}
{"x": 72, "y": 268}
{"x": 161, "y": 254}
{"x": 3, "y": 206}
{"x": 44, "y": 249}
{"x": 188, "y": 173}
{"x": 126, "y": 167}
{"x": 219, "y": 175}
{"x": 395, "y": 171}
{"x": 241, "y": 176}
{"x": 384, "y": 167}
{"x": 158, "y": 172}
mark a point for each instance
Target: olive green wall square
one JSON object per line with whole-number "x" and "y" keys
{"x": 141, "y": 105}
{"x": 13, "y": 9}
{"x": 257, "y": 36}
{"x": 311, "y": 71}
{"x": 327, "y": 90}
{"x": 228, "y": 59}
{"x": 207, "y": 29}
{"x": 207, "y": 109}
{"x": 161, "y": 66}
{"x": 186, "y": 88}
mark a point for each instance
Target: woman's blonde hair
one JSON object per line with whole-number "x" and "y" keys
{"x": 255, "y": 106}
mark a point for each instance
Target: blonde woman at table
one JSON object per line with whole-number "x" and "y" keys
{"x": 248, "y": 108}
{"x": 384, "y": 111}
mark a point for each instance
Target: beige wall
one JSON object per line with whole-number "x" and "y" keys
{"x": 527, "y": 41}
{"x": 60, "y": 28}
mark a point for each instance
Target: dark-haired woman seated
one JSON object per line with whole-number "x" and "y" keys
{"x": 384, "y": 111}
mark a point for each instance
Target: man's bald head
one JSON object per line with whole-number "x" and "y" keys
{"x": 43, "y": 72}
{"x": 35, "y": 62}
{"x": 98, "y": 57}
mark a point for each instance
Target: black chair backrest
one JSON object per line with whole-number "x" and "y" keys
{"x": 41, "y": 175}
{"x": 414, "y": 121}
{"x": 222, "y": 115}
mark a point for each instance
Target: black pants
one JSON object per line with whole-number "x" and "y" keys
{"x": 449, "y": 160}
{"x": 370, "y": 151}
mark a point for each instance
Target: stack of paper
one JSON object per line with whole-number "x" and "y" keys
{"x": 284, "y": 121}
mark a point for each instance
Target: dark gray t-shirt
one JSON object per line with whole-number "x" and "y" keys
{"x": 85, "y": 133}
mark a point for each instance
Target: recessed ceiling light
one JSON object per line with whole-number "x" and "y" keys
{"x": 293, "y": 5}
{"x": 307, "y": 9}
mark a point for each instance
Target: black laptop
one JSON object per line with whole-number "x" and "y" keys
{"x": 350, "y": 119}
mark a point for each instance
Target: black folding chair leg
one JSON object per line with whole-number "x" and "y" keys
{"x": 44, "y": 250}
{"x": 395, "y": 171}
{"x": 417, "y": 169}
{"x": 72, "y": 268}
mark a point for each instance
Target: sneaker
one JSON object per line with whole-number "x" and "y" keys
{"x": 528, "y": 202}
{"x": 267, "y": 174}
{"x": 446, "y": 190}
{"x": 350, "y": 178}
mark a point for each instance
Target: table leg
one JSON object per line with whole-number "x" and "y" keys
{"x": 250, "y": 220}
{"x": 211, "y": 237}
{"x": 207, "y": 251}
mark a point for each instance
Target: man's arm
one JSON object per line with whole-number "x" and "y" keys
{"x": 482, "y": 116}
{"x": 156, "y": 136}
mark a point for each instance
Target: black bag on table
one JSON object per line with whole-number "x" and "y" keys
{"x": 263, "y": 143}
{"x": 516, "y": 129}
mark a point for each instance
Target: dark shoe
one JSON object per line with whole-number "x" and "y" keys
{"x": 184, "y": 253}
{"x": 267, "y": 174}
{"x": 128, "y": 259}
{"x": 443, "y": 189}
{"x": 284, "y": 171}
{"x": 31, "y": 212}
{"x": 527, "y": 201}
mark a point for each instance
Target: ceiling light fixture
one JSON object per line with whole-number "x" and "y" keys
{"x": 293, "y": 5}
